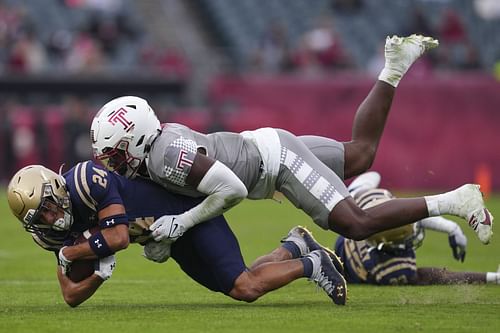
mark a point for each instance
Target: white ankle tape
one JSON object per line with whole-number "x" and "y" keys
{"x": 432, "y": 205}
{"x": 390, "y": 77}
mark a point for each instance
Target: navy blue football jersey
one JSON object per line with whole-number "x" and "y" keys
{"x": 93, "y": 188}
{"x": 209, "y": 252}
{"x": 366, "y": 264}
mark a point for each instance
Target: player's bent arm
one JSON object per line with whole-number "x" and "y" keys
{"x": 456, "y": 237}
{"x": 114, "y": 238}
{"x": 119, "y": 238}
{"x": 223, "y": 189}
{"x": 75, "y": 293}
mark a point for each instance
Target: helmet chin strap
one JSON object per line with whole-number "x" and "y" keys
{"x": 63, "y": 223}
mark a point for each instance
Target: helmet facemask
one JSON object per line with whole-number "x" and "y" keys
{"x": 50, "y": 202}
{"x": 393, "y": 240}
{"x": 120, "y": 160}
{"x": 50, "y": 240}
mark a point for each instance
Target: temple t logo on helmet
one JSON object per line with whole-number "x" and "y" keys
{"x": 118, "y": 117}
{"x": 122, "y": 132}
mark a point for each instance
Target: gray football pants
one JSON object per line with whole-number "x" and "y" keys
{"x": 310, "y": 174}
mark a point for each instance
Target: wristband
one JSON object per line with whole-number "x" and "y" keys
{"x": 111, "y": 221}
{"x": 99, "y": 245}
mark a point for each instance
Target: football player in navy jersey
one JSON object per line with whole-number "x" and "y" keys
{"x": 56, "y": 209}
{"x": 389, "y": 257}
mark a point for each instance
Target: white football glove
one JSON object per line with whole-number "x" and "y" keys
{"x": 105, "y": 266}
{"x": 168, "y": 227}
{"x": 158, "y": 251}
{"x": 63, "y": 261}
{"x": 458, "y": 243}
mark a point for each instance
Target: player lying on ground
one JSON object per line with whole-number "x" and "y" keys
{"x": 309, "y": 170}
{"x": 56, "y": 209}
{"x": 389, "y": 257}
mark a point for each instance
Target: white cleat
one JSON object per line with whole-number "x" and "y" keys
{"x": 468, "y": 203}
{"x": 401, "y": 53}
{"x": 482, "y": 223}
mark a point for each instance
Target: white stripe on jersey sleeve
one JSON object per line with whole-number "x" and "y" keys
{"x": 80, "y": 177}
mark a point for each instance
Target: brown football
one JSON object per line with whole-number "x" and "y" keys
{"x": 82, "y": 269}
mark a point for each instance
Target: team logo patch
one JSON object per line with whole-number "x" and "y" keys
{"x": 119, "y": 117}
{"x": 183, "y": 161}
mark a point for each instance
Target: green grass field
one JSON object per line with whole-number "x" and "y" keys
{"x": 146, "y": 297}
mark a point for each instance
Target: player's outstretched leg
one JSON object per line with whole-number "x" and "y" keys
{"x": 305, "y": 243}
{"x": 371, "y": 116}
{"x": 316, "y": 266}
{"x": 296, "y": 244}
{"x": 466, "y": 202}
{"x": 327, "y": 277}
{"x": 347, "y": 219}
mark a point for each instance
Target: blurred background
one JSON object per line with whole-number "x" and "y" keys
{"x": 302, "y": 65}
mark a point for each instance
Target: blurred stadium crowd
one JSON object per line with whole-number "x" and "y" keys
{"x": 61, "y": 59}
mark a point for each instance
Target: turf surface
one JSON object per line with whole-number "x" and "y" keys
{"x": 146, "y": 297}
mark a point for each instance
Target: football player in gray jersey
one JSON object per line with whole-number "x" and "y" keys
{"x": 227, "y": 167}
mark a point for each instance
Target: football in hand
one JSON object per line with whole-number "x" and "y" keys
{"x": 82, "y": 269}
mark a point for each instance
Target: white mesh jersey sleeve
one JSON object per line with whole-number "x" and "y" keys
{"x": 178, "y": 160}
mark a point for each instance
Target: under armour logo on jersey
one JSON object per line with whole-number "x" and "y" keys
{"x": 184, "y": 160}
{"x": 118, "y": 116}
{"x": 98, "y": 243}
{"x": 110, "y": 222}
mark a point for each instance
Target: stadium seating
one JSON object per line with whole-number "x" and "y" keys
{"x": 240, "y": 24}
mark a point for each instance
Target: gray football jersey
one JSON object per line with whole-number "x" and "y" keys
{"x": 172, "y": 155}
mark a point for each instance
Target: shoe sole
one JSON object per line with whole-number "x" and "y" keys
{"x": 483, "y": 228}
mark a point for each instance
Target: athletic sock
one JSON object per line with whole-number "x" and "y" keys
{"x": 292, "y": 248}
{"x": 308, "y": 266}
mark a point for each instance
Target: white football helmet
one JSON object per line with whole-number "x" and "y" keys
{"x": 122, "y": 133}
{"x": 35, "y": 189}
